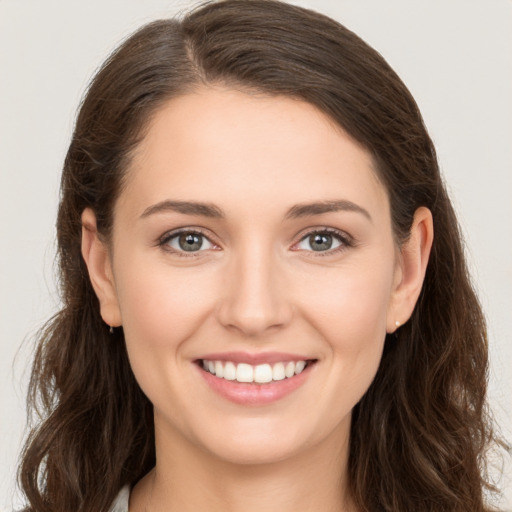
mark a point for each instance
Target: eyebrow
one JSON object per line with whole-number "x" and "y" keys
{"x": 318, "y": 208}
{"x": 295, "y": 212}
{"x": 186, "y": 207}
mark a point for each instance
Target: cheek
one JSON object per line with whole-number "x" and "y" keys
{"x": 350, "y": 313}
{"x": 160, "y": 305}
{"x": 351, "y": 316}
{"x": 160, "y": 310}
{"x": 349, "y": 304}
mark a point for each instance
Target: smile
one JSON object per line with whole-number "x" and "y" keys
{"x": 254, "y": 379}
{"x": 259, "y": 374}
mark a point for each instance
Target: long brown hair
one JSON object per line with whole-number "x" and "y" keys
{"x": 420, "y": 433}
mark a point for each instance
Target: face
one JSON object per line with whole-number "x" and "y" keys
{"x": 253, "y": 241}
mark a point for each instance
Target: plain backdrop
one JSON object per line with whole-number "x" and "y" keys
{"x": 454, "y": 55}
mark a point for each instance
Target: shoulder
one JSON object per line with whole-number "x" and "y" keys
{"x": 121, "y": 502}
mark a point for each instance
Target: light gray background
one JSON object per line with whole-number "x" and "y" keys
{"x": 455, "y": 56}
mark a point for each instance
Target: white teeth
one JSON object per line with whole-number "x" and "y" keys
{"x": 289, "y": 370}
{"x": 229, "y": 371}
{"x": 299, "y": 367}
{"x": 261, "y": 373}
{"x": 278, "y": 372}
{"x": 244, "y": 373}
{"x": 219, "y": 370}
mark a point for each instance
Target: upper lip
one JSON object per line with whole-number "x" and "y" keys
{"x": 255, "y": 359}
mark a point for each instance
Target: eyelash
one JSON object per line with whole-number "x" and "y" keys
{"x": 345, "y": 240}
{"x": 164, "y": 240}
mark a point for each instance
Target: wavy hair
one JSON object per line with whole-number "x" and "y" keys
{"x": 420, "y": 433}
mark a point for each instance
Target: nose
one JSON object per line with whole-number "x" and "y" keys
{"x": 254, "y": 299}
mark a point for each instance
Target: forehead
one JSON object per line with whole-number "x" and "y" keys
{"x": 243, "y": 149}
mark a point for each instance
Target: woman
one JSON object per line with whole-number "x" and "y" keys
{"x": 266, "y": 304}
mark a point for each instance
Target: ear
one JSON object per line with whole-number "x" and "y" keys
{"x": 412, "y": 265}
{"x": 96, "y": 256}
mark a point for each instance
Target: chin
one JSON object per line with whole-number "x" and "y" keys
{"x": 259, "y": 441}
{"x": 256, "y": 451}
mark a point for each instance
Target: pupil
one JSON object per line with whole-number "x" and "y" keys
{"x": 190, "y": 242}
{"x": 320, "y": 242}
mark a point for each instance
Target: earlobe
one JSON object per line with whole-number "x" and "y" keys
{"x": 96, "y": 257}
{"x": 414, "y": 256}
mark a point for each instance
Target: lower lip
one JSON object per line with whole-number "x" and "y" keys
{"x": 255, "y": 394}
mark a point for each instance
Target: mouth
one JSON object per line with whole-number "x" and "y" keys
{"x": 255, "y": 374}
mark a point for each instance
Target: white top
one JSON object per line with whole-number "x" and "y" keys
{"x": 121, "y": 502}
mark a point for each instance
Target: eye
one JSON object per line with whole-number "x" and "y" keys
{"x": 187, "y": 241}
{"x": 322, "y": 241}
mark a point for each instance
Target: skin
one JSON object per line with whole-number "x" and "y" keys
{"x": 256, "y": 286}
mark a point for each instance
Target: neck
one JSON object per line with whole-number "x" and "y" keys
{"x": 190, "y": 480}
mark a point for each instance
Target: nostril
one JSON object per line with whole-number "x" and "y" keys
{"x": 253, "y": 306}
